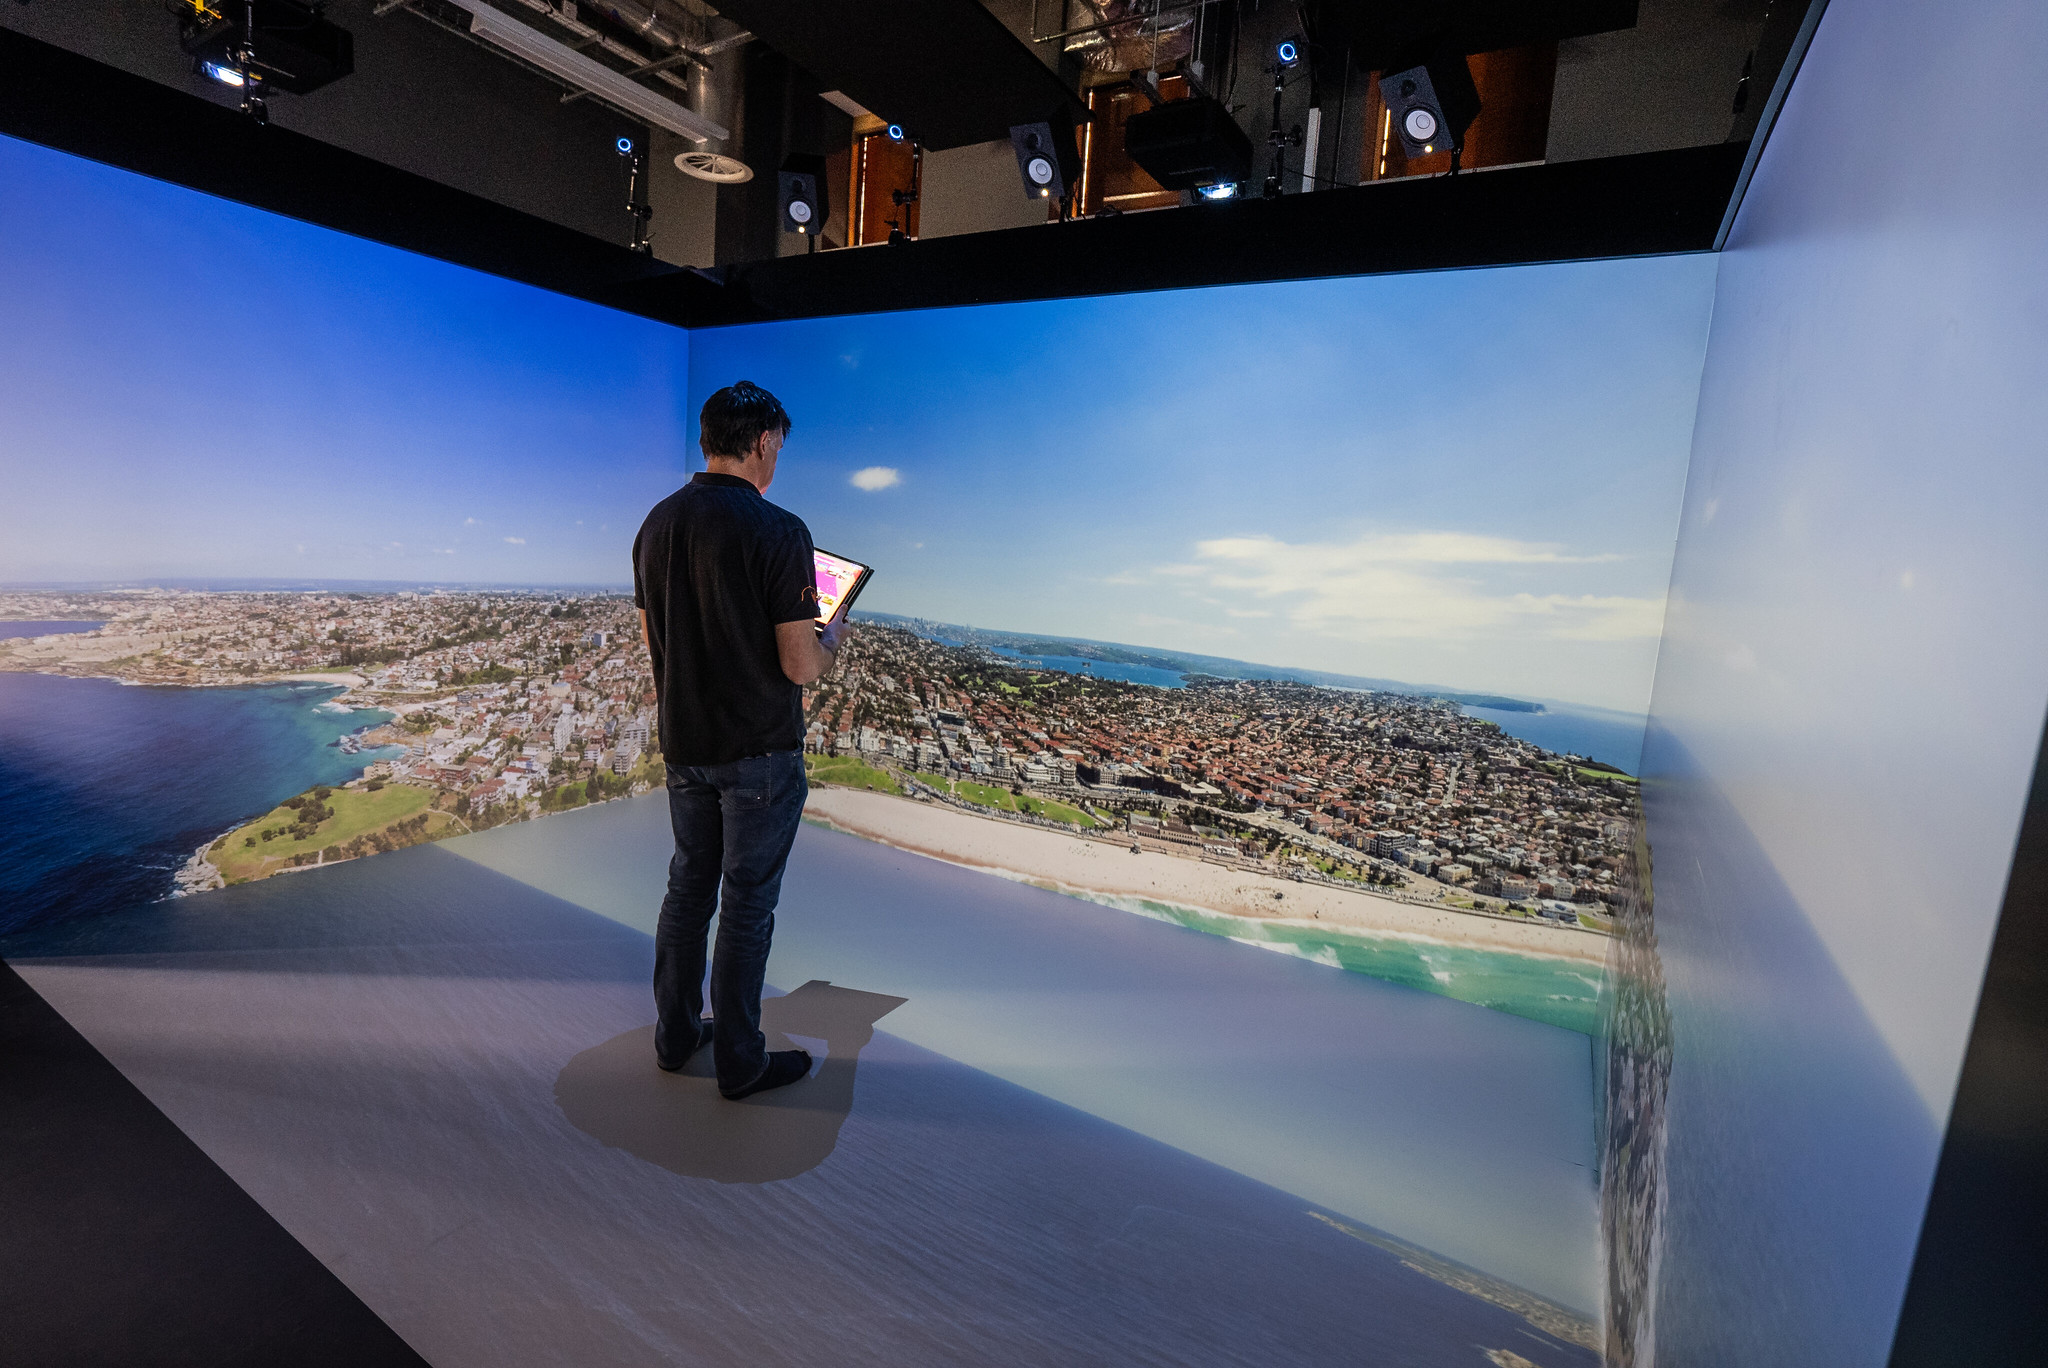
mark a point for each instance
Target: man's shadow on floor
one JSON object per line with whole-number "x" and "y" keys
{"x": 613, "y": 1093}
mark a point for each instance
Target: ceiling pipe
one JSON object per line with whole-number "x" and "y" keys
{"x": 563, "y": 13}
{"x": 638, "y": 20}
{"x": 496, "y": 27}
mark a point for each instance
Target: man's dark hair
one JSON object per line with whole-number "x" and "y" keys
{"x": 733, "y": 419}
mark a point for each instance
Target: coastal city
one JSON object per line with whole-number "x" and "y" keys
{"x": 1394, "y": 792}
{"x": 494, "y": 706}
{"x": 485, "y": 707}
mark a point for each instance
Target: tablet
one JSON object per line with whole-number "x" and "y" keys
{"x": 839, "y": 582}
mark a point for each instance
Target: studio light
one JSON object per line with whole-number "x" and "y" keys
{"x": 1289, "y": 52}
{"x": 636, "y": 191}
{"x": 226, "y": 75}
{"x": 895, "y": 132}
{"x": 1222, "y": 190}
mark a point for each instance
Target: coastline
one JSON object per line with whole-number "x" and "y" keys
{"x": 198, "y": 874}
{"x": 347, "y": 683}
{"x": 1098, "y": 869}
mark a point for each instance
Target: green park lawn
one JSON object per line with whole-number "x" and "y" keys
{"x": 1607, "y": 774}
{"x": 1001, "y": 799}
{"x": 356, "y": 813}
{"x": 848, "y": 772}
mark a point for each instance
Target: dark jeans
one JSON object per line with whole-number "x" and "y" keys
{"x": 734, "y": 824}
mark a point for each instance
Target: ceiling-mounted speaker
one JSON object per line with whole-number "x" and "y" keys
{"x": 1187, "y": 144}
{"x": 800, "y": 187}
{"x": 1048, "y": 157}
{"x": 1432, "y": 104}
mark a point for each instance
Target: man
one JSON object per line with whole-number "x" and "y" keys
{"x": 728, "y": 600}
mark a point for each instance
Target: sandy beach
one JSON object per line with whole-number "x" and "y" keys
{"x": 347, "y": 681}
{"x": 1072, "y": 862}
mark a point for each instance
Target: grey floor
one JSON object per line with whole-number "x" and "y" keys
{"x": 432, "y": 1070}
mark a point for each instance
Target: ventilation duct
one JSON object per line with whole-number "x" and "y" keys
{"x": 1132, "y": 35}
{"x": 613, "y": 87}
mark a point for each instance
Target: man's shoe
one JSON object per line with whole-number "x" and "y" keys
{"x": 784, "y": 1067}
{"x": 703, "y": 1039}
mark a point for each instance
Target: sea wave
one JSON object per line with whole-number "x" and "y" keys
{"x": 1506, "y": 979}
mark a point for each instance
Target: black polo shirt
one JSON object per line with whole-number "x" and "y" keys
{"x": 717, "y": 567}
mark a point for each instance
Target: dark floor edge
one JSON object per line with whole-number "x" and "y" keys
{"x": 1975, "y": 1292}
{"x": 125, "y": 1244}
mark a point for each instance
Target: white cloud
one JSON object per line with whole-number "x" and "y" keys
{"x": 469, "y": 522}
{"x": 1424, "y": 586}
{"x": 516, "y": 541}
{"x": 872, "y": 478}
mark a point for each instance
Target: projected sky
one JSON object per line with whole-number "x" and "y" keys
{"x": 1468, "y": 479}
{"x": 189, "y": 387}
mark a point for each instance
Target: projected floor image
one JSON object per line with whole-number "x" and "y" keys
{"x": 431, "y": 1067}
{"x": 1465, "y": 1131}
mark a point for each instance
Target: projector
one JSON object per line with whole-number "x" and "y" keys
{"x": 296, "y": 49}
{"x": 1186, "y": 144}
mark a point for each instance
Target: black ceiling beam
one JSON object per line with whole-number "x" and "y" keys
{"x": 1649, "y": 204}
{"x": 51, "y": 96}
{"x": 1390, "y": 36}
{"x": 948, "y": 71}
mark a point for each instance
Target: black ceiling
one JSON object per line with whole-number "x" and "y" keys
{"x": 1624, "y": 206}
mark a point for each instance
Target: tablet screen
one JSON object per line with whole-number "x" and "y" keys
{"x": 837, "y": 577}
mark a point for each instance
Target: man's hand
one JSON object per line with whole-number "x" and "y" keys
{"x": 808, "y": 655}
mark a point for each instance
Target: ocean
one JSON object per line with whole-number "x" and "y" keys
{"x": 1101, "y": 669}
{"x": 1549, "y": 989}
{"x": 1613, "y": 738}
{"x": 106, "y": 789}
